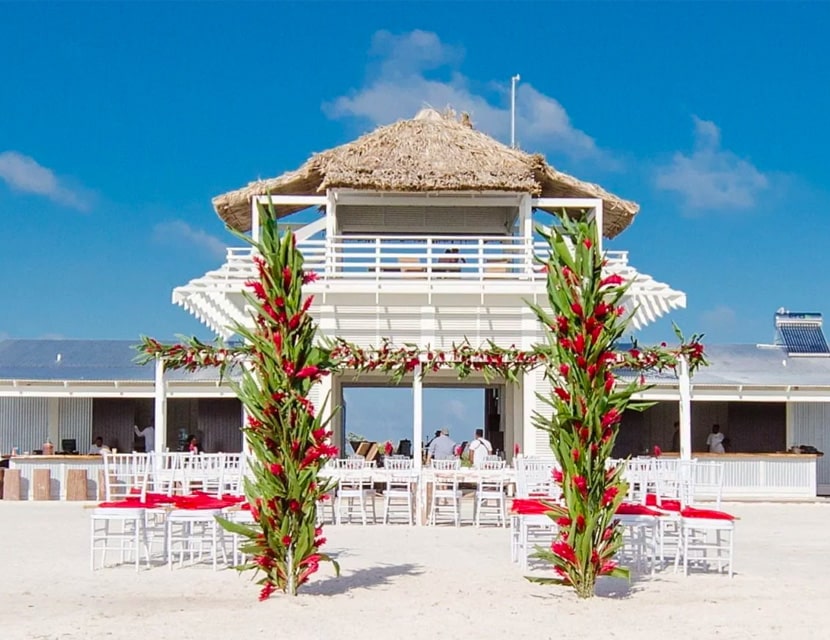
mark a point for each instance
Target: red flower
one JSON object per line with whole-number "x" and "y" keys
{"x": 388, "y": 448}
{"x": 563, "y": 522}
{"x": 294, "y": 506}
{"x": 607, "y": 567}
{"x": 266, "y": 591}
{"x": 564, "y": 396}
{"x": 609, "y": 382}
{"x": 259, "y": 290}
{"x": 587, "y": 242}
{"x": 276, "y": 469}
{"x": 613, "y": 280}
{"x": 581, "y": 484}
{"x": 286, "y": 540}
{"x": 579, "y": 344}
{"x": 286, "y": 277}
{"x": 580, "y": 522}
{"x": 575, "y": 454}
{"x": 577, "y": 309}
{"x": 612, "y": 417}
{"x": 525, "y": 506}
{"x": 309, "y": 276}
{"x": 657, "y": 451}
{"x": 557, "y": 476}
{"x": 564, "y": 369}
{"x": 609, "y": 495}
{"x": 564, "y": 551}
{"x": 516, "y": 449}
{"x": 308, "y": 372}
{"x": 602, "y": 310}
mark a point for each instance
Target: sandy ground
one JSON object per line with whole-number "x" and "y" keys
{"x": 402, "y": 582}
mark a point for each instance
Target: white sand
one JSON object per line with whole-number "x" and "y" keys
{"x": 400, "y": 582}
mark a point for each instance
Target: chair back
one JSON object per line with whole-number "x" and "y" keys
{"x": 355, "y": 462}
{"x": 126, "y": 474}
{"x": 446, "y": 465}
{"x": 534, "y": 478}
{"x": 395, "y": 464}
{"x": 708, "y": 481}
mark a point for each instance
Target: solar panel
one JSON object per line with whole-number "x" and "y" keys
{"x": 803, "y": 338}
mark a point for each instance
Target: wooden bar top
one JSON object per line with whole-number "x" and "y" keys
{"x": 58, "y": 458}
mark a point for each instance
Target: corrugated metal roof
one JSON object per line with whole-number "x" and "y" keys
{"x": 755, "y": 365}
{"x": 76, "y": 360}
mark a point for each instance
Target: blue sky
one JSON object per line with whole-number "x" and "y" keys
{"x": 119, "y": 122}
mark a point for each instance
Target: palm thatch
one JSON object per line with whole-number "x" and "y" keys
{"x": 432, "y": 152}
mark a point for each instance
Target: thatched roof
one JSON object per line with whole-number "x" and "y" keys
{"x": 432, "y": 152}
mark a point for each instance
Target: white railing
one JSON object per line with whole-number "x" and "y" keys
{"x": 432, "y": 258}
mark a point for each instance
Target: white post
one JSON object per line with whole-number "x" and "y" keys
{"x": 255, "y": 220}
{"x": 160, "y": 421}
{"x": 685, "y": 383}
{"x": 513, "y": 82}
{"x": 417, "y": 418}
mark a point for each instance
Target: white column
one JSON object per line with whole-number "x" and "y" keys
{"x": 255, "y": 223}
{"x": 685, "y": 383}
{"x": 417, "y": 417}
{"x": 53, "y": 424}
{"x": 160, "y": 421}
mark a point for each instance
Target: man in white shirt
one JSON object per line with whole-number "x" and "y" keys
{"x": 479, "y": 449}
{"x": 149, "y": 435}
{"x": 98, "y": 447}
{"x": 715, "y": 440}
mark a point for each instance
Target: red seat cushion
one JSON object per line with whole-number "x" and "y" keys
{"x": 666, "y": 504}
{"x": 200, "y": 502}
{"x": 629, "y": 509}
{"x": 707, "y": 514}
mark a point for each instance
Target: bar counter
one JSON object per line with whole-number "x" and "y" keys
{"x": 764, "y": 475}
{"x": 59, "y": 466}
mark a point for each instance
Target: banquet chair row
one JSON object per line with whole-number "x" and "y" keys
{"x": 133, "y": 520}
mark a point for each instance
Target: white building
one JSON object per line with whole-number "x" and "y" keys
{"x": 423, "y": 232}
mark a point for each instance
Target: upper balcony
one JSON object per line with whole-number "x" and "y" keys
{"x": 418, "y": 267}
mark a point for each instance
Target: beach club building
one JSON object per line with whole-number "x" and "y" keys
{"x": 423, "y": 232}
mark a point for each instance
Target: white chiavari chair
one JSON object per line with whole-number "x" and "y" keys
{"x": 398, "y": 496}
{"x": 489, "y": 497}
{"x": 120, "y": 523}
{"x": 446, "y": 496}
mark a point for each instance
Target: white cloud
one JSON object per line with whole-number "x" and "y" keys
{"x": 178, "y": 231}
{"x": 402, "y": 83}
{"x": 719, "y": 318}
{"x": 711, "y": 177}
{"x": 22, "y": 173}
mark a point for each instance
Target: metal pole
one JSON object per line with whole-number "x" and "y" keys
{"x": 513, "y": 82}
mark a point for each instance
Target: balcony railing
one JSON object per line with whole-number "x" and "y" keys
{"x": 442, "y": 259}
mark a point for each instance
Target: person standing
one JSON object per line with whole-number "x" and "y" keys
{"x": 149, "y": 435}
{"x": 479, "y": 449}
{"x": 715, "y": 440}
{"x": 441, "y": 447}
